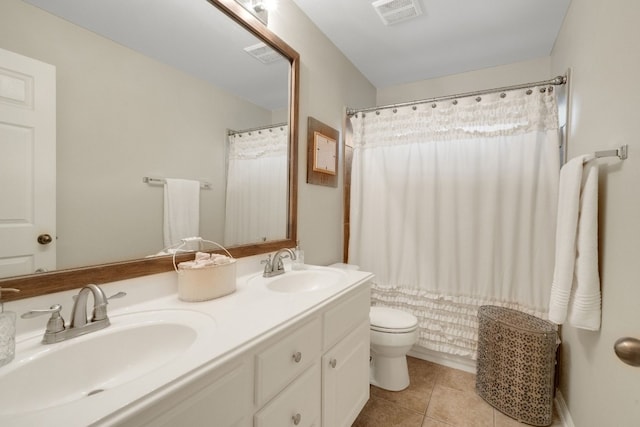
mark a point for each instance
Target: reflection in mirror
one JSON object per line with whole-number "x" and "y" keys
{"x": 150, "y": 92}
{"x": 258, "y": 8}
{"x": 257, "y": 182}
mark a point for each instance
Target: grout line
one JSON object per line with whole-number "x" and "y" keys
{"x": 399, "y": 405}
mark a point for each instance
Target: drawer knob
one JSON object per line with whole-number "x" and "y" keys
{"x": 296, "y": 419}
{"x": 333, "y": 363}
{"x": 297, "y": 357}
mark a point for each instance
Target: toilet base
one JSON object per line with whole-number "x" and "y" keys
{"x": 389, "y": 373}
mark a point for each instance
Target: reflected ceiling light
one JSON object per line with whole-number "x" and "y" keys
{"x": 264, "y": 5}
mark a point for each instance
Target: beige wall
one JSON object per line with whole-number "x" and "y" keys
{"x": 599, "y": 41}
{"x": 488, "y": 78}
{"x": 329, "y": 83}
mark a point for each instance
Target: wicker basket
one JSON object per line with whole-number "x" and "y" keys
{"x": 516, "y": 364}
{"x": 205, "y": 283}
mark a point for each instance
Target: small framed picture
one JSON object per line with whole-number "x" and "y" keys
{"x": 325, "y": 158}
{"x": 322, "y": 154}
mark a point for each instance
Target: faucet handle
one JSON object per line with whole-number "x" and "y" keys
{"x": 268, "y": 266}
{"x": 117, "y": 295}
{"x": 114, "y": 296}
{"x": 55, "y": 323}
{"x": 100, "y": 310}
{"x": 56, "y": 308}
{"x": 279, "y": 257}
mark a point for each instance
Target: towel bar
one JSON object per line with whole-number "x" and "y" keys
{"x": 621, "y": 152}
{"x": 161, "y": 181}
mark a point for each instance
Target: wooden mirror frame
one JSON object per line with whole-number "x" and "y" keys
{"x": 62, "y": 280}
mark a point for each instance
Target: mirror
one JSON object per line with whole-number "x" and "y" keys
{"x": 109, "y": 220}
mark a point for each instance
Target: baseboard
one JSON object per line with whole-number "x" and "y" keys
{"x": 563, "y": 410}
{"x": 449, "y": 360}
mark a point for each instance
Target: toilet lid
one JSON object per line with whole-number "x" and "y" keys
{"x": 386, "y": 319}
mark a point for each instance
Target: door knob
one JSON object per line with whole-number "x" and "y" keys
{"x": 296, "y": 419}
{"x": 628, "y": 350}
{"x": 45, "y": 239}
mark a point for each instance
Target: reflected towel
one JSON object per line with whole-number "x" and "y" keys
{"x": 181, "y": 210}
{"x": 576, "y": 284}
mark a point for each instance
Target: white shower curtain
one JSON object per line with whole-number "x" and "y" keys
{"x": 256, "y": 202}
{"x": 453, "y": 206}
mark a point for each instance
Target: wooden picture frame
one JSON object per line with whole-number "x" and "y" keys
{"x": 322, "y": 154}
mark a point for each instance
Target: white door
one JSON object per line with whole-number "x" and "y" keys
{"x": 27, "y": 165}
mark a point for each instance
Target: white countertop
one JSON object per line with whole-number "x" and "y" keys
{"x": 243, "y": 318}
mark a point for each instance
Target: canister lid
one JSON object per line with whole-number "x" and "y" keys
{"x": 391, "y": 319}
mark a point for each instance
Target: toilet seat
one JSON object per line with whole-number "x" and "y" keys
{"x": 389, "y": 320}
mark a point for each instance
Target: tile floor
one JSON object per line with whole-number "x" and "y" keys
{"x": 437, "y": 397}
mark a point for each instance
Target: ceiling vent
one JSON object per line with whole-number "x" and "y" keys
{"x": 263, "y": 53}
{"x": 394, "y": 11}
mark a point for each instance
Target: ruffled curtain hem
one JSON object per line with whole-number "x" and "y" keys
{"x": 446, "y": 323}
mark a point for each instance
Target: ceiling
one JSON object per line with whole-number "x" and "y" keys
{"x": 449, "y": 37}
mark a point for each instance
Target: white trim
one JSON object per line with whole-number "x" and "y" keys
{"x": 449, "y": 360}
{"x": 563, "y": 410}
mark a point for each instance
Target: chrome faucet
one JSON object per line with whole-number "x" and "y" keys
{"x": 56, "y": 330}
{"x": 79, "y": 311}
{"x": 275, "y": 267}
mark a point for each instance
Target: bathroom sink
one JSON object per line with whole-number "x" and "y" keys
{"x": 311, "y": 279}
{"x": 134, "y": 346}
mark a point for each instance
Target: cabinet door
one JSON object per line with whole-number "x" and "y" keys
{"x": 222, "y": 399}
{"x": 345, "y": 378}
{"x": 345, "y": 317}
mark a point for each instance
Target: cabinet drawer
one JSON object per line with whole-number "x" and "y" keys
{"x": 297, "y": 406}
{"x": 343, "y": 318}
{"x": 279, "y": 364}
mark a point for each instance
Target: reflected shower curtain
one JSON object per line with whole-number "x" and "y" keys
{"x": 257, "y": 186}
{"x": 453, "y": 206}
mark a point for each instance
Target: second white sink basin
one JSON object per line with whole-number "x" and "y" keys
{"x": 135, "y": 345}
{"x": 308, "y": 280}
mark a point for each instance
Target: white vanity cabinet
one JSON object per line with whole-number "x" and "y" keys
{"x": 311, "y": 372}
{"x": 332, "y": 349}
{"x": 345, "y": 363}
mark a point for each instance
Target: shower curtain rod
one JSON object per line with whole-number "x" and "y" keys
{"x": 559, "y": 80}
{"x": 231, "y": 132}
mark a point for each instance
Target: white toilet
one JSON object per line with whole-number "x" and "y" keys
{"x": 393, "y": 333}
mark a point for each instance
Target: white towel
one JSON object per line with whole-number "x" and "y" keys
{"x": 576, "y": 284}
{"x": 181, "y": 210}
